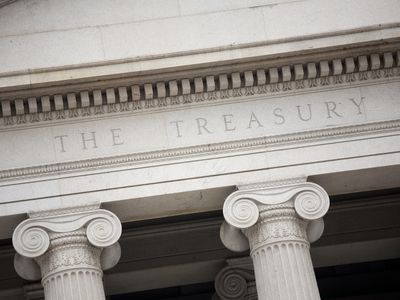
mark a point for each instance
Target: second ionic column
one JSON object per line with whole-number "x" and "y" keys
{"x": 278, "y": 221}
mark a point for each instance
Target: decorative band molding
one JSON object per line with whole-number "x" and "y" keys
{"x": 224, "y": 147}
{"x": 63, "y": 211}
{"x": 273, "y": 183}
{"x": 174, "y": 93}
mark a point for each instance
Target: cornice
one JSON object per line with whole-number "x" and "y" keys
{"x": 116, "y": 100}
{"x": 167, "y": 66}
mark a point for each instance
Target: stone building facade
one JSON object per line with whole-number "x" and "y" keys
{"x": 183, "y": 149}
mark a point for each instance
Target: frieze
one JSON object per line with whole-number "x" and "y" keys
{"x": 226, "y": 147}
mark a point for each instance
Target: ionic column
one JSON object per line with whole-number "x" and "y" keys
{"x": 236, "y": 280}
{"x": 68, "y": 249}
{"x": 278, "y": 222}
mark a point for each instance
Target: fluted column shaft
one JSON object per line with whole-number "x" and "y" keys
{"x": 71, "y": 268}
{"x": 281, "y": 257}
{"x": 277, "y": 222}
{"x": 68, "y": 250}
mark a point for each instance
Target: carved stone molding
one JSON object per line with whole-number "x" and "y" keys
{"x": 236, "y": 280}
{"x": 191, "y": 91}
{"x": 278, "y": 221}
{"x": 70, "y": 246}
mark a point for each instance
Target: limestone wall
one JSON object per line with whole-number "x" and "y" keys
{"x": 40, "y": 34}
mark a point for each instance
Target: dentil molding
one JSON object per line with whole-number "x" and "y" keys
{"x": 137, "y": 98}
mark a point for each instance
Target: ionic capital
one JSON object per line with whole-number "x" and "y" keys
{"x": 245, "y": 207}
{"x": 236, "y": 280}
{"x": 31, "y": 237}
{"x": 242, "y": 208}
{"x": 51, "y": 230}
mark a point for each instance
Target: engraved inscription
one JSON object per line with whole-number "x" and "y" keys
{"x": 217, "y": 123}
{"x": 326, "y": 111}
{"x": 224, "y": 123}
{"x": 88, "y": 140}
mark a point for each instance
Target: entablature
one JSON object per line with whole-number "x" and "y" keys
{"x": 204, "y": 115}
{"x": 334, "y": 114}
